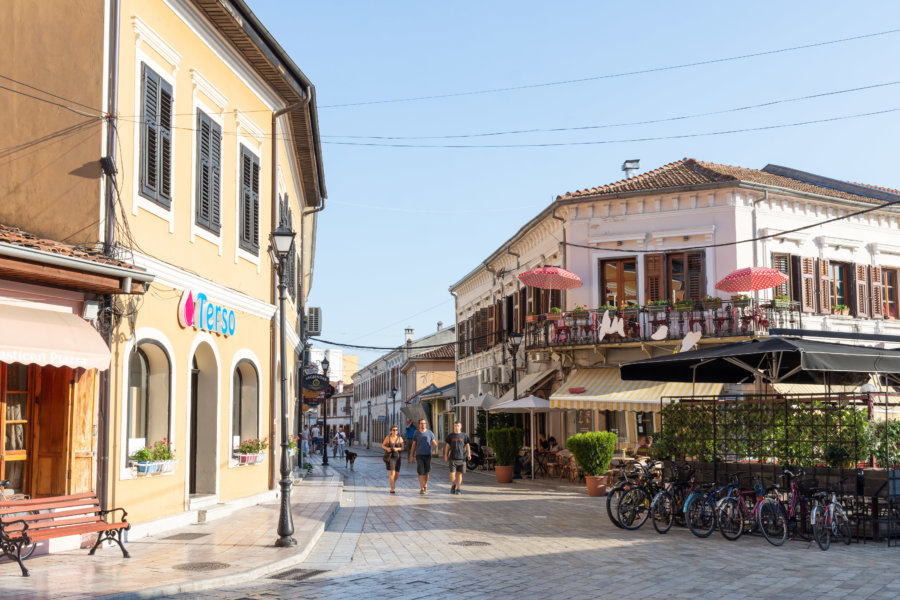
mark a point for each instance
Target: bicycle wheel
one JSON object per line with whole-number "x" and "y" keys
{"x": 662, "y": 511}
{"x": 841, "y": 526}
{"x": 701, "y": 516}
{"x": 772, "y": 522}
{"x": 731, "y": 519}
{"x": 612, "y": 504}
{"x": 821, "y": 528}
{"x": 634, "y": 508}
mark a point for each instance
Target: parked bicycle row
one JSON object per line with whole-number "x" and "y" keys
{"x": 668, "y": 494}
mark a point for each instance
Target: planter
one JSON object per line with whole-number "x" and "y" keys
{"x": 840, "y": 311}
{"x": 740, "y": 303}
{"x": 531, "y": 318}
{"x": 631, "y": 311}
{"x": 684, "y": 307}
{"x": 147, "y": 467}
{"x": 168, "y": 466}
{"x": 504, "y": 474}
{"x": 781, "y": 303}
{"x": 596, "y": 485}
{"x": 712, "y": 305}
{"x": 657, "y": 308}
{"x": 249, "y": 459}
{"x": 554, "y": 316}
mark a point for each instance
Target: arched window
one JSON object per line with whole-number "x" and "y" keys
{"x": 244, "y": 403}
{"x": 149, "y": 377}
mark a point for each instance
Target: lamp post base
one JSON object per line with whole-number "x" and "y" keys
{"x": 285, "y": 542}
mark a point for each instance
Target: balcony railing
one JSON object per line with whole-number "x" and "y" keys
{"x": 729, "y": 318}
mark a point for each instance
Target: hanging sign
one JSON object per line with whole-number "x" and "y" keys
{"x": 315, "y": 382}
{"x": 195, "y": 310}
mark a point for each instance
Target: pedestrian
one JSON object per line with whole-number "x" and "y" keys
{"x": 341, "y": 439}
{"x": 316, "y": 440}
{"x": 410, "y": 434}
{"x": 304, "y": 442}
{"x": 423, "y": 446}
{"x": 456, "y": 453}
{"x": 393, "y": 455}
{"x": 351, "y": 437}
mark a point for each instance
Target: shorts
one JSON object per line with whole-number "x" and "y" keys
{"x": 457, "y": 465}
{"x": 423, "y": 464}
{"x": 393, "y": 463}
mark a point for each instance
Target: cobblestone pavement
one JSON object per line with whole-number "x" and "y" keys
{"x": 547, "y": 543}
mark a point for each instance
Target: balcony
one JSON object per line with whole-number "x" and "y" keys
{"x": 727, "y": 319}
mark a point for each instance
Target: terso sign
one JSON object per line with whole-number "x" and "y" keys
{"x": 195, "y": 310}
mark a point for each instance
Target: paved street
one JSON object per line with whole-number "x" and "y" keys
{"x": 546, "y": 543}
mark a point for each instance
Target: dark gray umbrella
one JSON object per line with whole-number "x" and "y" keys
{"x": 774, "y": 359}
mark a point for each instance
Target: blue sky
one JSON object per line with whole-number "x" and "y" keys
{"x": 402, "y": 224}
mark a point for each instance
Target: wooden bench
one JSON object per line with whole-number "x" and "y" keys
{"x": 23, "y": 522}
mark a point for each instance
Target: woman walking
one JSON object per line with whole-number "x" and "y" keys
{"x": 393, "y": 453}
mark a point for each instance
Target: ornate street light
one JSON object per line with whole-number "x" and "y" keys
{"x": 514, "y": 338}
{"x": 281, "y": 247}
{"x": 325, "y": 365}
{"x": 394, "y": 405}
{"x": 369, "y": 424}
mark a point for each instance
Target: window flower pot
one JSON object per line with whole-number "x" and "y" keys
{"x": 658, "y": 308}
{"x": 147, "y": 467}
{"x": 631, "y": 310}
{"x": 740, "y": 303}
{"x": 245, "y": 459}
{"x": 781, "y": 303}
{"x": 840, "y": 311}
{"x": 168, "y": 466}
{"x": 684, "y": 307}
{"x": 555, "y": 316}
{"x": 531, "y": 318}
{"x": 712, "y": 304}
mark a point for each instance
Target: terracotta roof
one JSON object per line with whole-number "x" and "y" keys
{"x": 23, "y": 239}
{"x": 445, "y": 351}
{"x": 691, "y": 172}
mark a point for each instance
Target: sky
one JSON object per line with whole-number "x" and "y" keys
{"x": 402, "y": 224}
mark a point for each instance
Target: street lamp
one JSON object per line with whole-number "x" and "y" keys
{"x": 325, "y": 365}
{"x": 281, "y": 247}
{"x": 514, "y": 338}
{"x": 394, "y": 405}
{"x": 369, "y": 425}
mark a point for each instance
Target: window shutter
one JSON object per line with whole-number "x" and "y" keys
{"x": 492, "y": 323}
{"x": 653, "y": 277}
{"x": 254, "y": 200}
{"x": 824, "y": 285}
{"x": 861, "y": 291}
{"x": 150, "y": 134}
{"x": 500, "y": 321}
{"x": 695, "y": 280}
{"x": 215, "y": 177}
{"x": 246, "y": 236}
{"x": 808, "y": 284}
{"x": 782, "y": 262}
{"x": 202, "y": 208}
{"x": 165, "y": 143}
{"x": 516, "y": 311}
{"x": 877, "y": 286}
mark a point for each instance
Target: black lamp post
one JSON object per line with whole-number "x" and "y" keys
{"x": 514, "y": 338}
{"x": 394, "y": 405}
{"x": 325, "y": 365}
{"x": 281, "y": 247}
{"x": 369, "y": 425}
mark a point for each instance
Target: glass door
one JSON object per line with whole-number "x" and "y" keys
{"x": 14, "y": 424}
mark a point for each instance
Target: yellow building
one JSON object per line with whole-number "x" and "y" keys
{"x": 215, "y": 144}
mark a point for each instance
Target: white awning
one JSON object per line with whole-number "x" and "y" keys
{"x": 50, "y": 338}
{"x": 526, "y": 383}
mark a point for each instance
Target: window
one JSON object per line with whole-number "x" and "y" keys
{"x": 156, "y": 138}
{"x": 839, "y": 287}
{"x": 208, "y": 210}
{"x": 245, "y": 403}
{"x": 17, "y": 400}
{"x": 889, "y": 292}
{"x": 148, "y": 396}
{"x": 618, "y": 281}
{"x": 249, "y": 239}
{"x": 674, "y": 277}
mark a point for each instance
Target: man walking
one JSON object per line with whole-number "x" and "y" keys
{"x": 423, "y": 446}
{"x": 410, "y": 434}
{"x": 456, "y": 453}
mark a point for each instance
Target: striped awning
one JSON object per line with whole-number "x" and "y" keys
{"x": 813, "y": 389}
{"x": 603, "y": 389}
{"x": 526, "y": 383}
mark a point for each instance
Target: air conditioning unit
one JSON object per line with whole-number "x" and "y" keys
{"x": 505, "y": 374}
{"x": 495, "y": 374}
{"x": 313, "y": 321}
{"x": 539, "y": 357}
{"x": 486, "y": 375}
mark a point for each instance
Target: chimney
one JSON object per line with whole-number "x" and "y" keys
{"x": 409, "y": 335}
{"x": 631, "y": 167}
{"x": 440, "y": 325}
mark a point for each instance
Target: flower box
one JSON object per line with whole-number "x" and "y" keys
{"x": 712, "y": 304}
{"x": 151, "y": 468}
{"x": 684, "y": 306}
{"x": 249, "y": 459}
{"x": 657, "y": 308}
{"x": 781, "y": 303}
{"x": 555, "y": 316}
{"x": 630, "y": 310}
{"x": 840, "y": 311}
{"x": 531, "y": 318}
{"x": 740, "y": 303}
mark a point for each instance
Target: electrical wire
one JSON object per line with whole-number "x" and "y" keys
{"x": 612, "y": 125}
{"x": 43, "y": 91}
{"x": 613, "y": 75}
{"x": 60, "y": 133}
{"x": 39, "y": 99}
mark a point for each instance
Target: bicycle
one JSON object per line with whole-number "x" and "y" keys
{"x": 776, "y": 521}
{"x": 634, "y": 507}
{"x": 829, "y": 521}
{"x": 6, "y": 494}
{"x": 701, "y": 507}
{"x": 734, "y": 516}
{"x": 667, "y": 504}
{"x": 627, "y": 480}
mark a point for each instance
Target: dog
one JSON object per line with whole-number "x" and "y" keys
{"x": 349, "y": 458}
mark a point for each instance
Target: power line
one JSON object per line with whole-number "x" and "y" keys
{"x": 611, "y": 125}
{"x": 43, "y": 91}
{"x": 619, "y": 141}
{"x": 39, "y": 99}
{"x": 613, "y": 75}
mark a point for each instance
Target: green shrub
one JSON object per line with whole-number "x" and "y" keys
{"x": 593, "y": 451}
{"x": 505, "y": 443}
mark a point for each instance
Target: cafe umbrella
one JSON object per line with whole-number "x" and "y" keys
{"x": 751, "y": 279}
{"x": 529, "y": 404}
{"x": 550, "y": 278}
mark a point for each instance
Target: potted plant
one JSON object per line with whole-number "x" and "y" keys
{"x": 607, "y": 307}
{"x": 159, "y": 457}
{"x": 593, "y": 450}
{"x": 143, "y": 460}
{"x": 840, "y": 309}
{"x": 658, "y": 305}
{"x": 555, "y": 314}
{"x": 740, "y": 300}
{"x": 531, "y": 317}
{"x": 711, "y": 302}
{"x": 251, "y": 452}
{"x": 685, "y": 305}
{"x": 629, "y": 308}
{"x": 505, "y": 443}
{"x": 836, "y": 456}
{"x": 782, "y": 301}
{"x": 580, "y": 313}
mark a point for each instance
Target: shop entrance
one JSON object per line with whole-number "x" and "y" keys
{"x": 204, "y": 407}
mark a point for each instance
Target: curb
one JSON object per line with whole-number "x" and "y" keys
{"x": 237, "y": 578}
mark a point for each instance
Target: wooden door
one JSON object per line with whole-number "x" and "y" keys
{"x": 81, "y": 438}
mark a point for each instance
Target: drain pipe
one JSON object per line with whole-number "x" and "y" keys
{"x": 565, "y": 264}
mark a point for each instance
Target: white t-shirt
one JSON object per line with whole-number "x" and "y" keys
{"x": 315, "y": 432}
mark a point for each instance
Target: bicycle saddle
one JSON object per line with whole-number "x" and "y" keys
{"x": 4, "y": 482}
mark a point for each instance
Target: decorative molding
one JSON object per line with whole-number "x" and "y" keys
{"x": 837, "y": 243}
{"x": 707, "y": 232}
{"x": 143, "y": 33}
{"x": 783, "y": 236}
{"x": 618, "y": 237}
{"x": 879, "y": 248}
{"x": 242, "y": 121}
{"x": 202, "y": 84}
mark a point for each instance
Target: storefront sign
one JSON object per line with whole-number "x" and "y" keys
{"x": 195, "y": 310}
{"x": 315, "y": 382}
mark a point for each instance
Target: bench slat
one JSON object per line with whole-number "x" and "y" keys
{"x": 74, "y": 530}
{"x": 90, "y": 496}
{"x": 29, "y": 505}
{"x": 44, "y": 516}
{"x": 53, "y": 524}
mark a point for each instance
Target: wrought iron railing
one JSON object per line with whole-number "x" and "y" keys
{"x": 712, "y": 319}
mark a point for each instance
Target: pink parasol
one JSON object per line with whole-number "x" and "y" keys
{"x": 751, "y": 279}
{"x": 550, "y": 278}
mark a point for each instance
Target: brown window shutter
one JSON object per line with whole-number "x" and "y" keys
{"x": 523, "y": 310}
{"x": 782, "y": 262}
{"x": 492, "y": 325}
{"x": 861, "y": 291}
{"x": 653, "y": 277}
{"x": 695, "y": 287}
{"x": 877, "y": 286}
{"x": 808, "y": 284}
{"x": 824, "y": 285}
{"x": 500, "y": 321}
{"x": 517, "y": 311}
